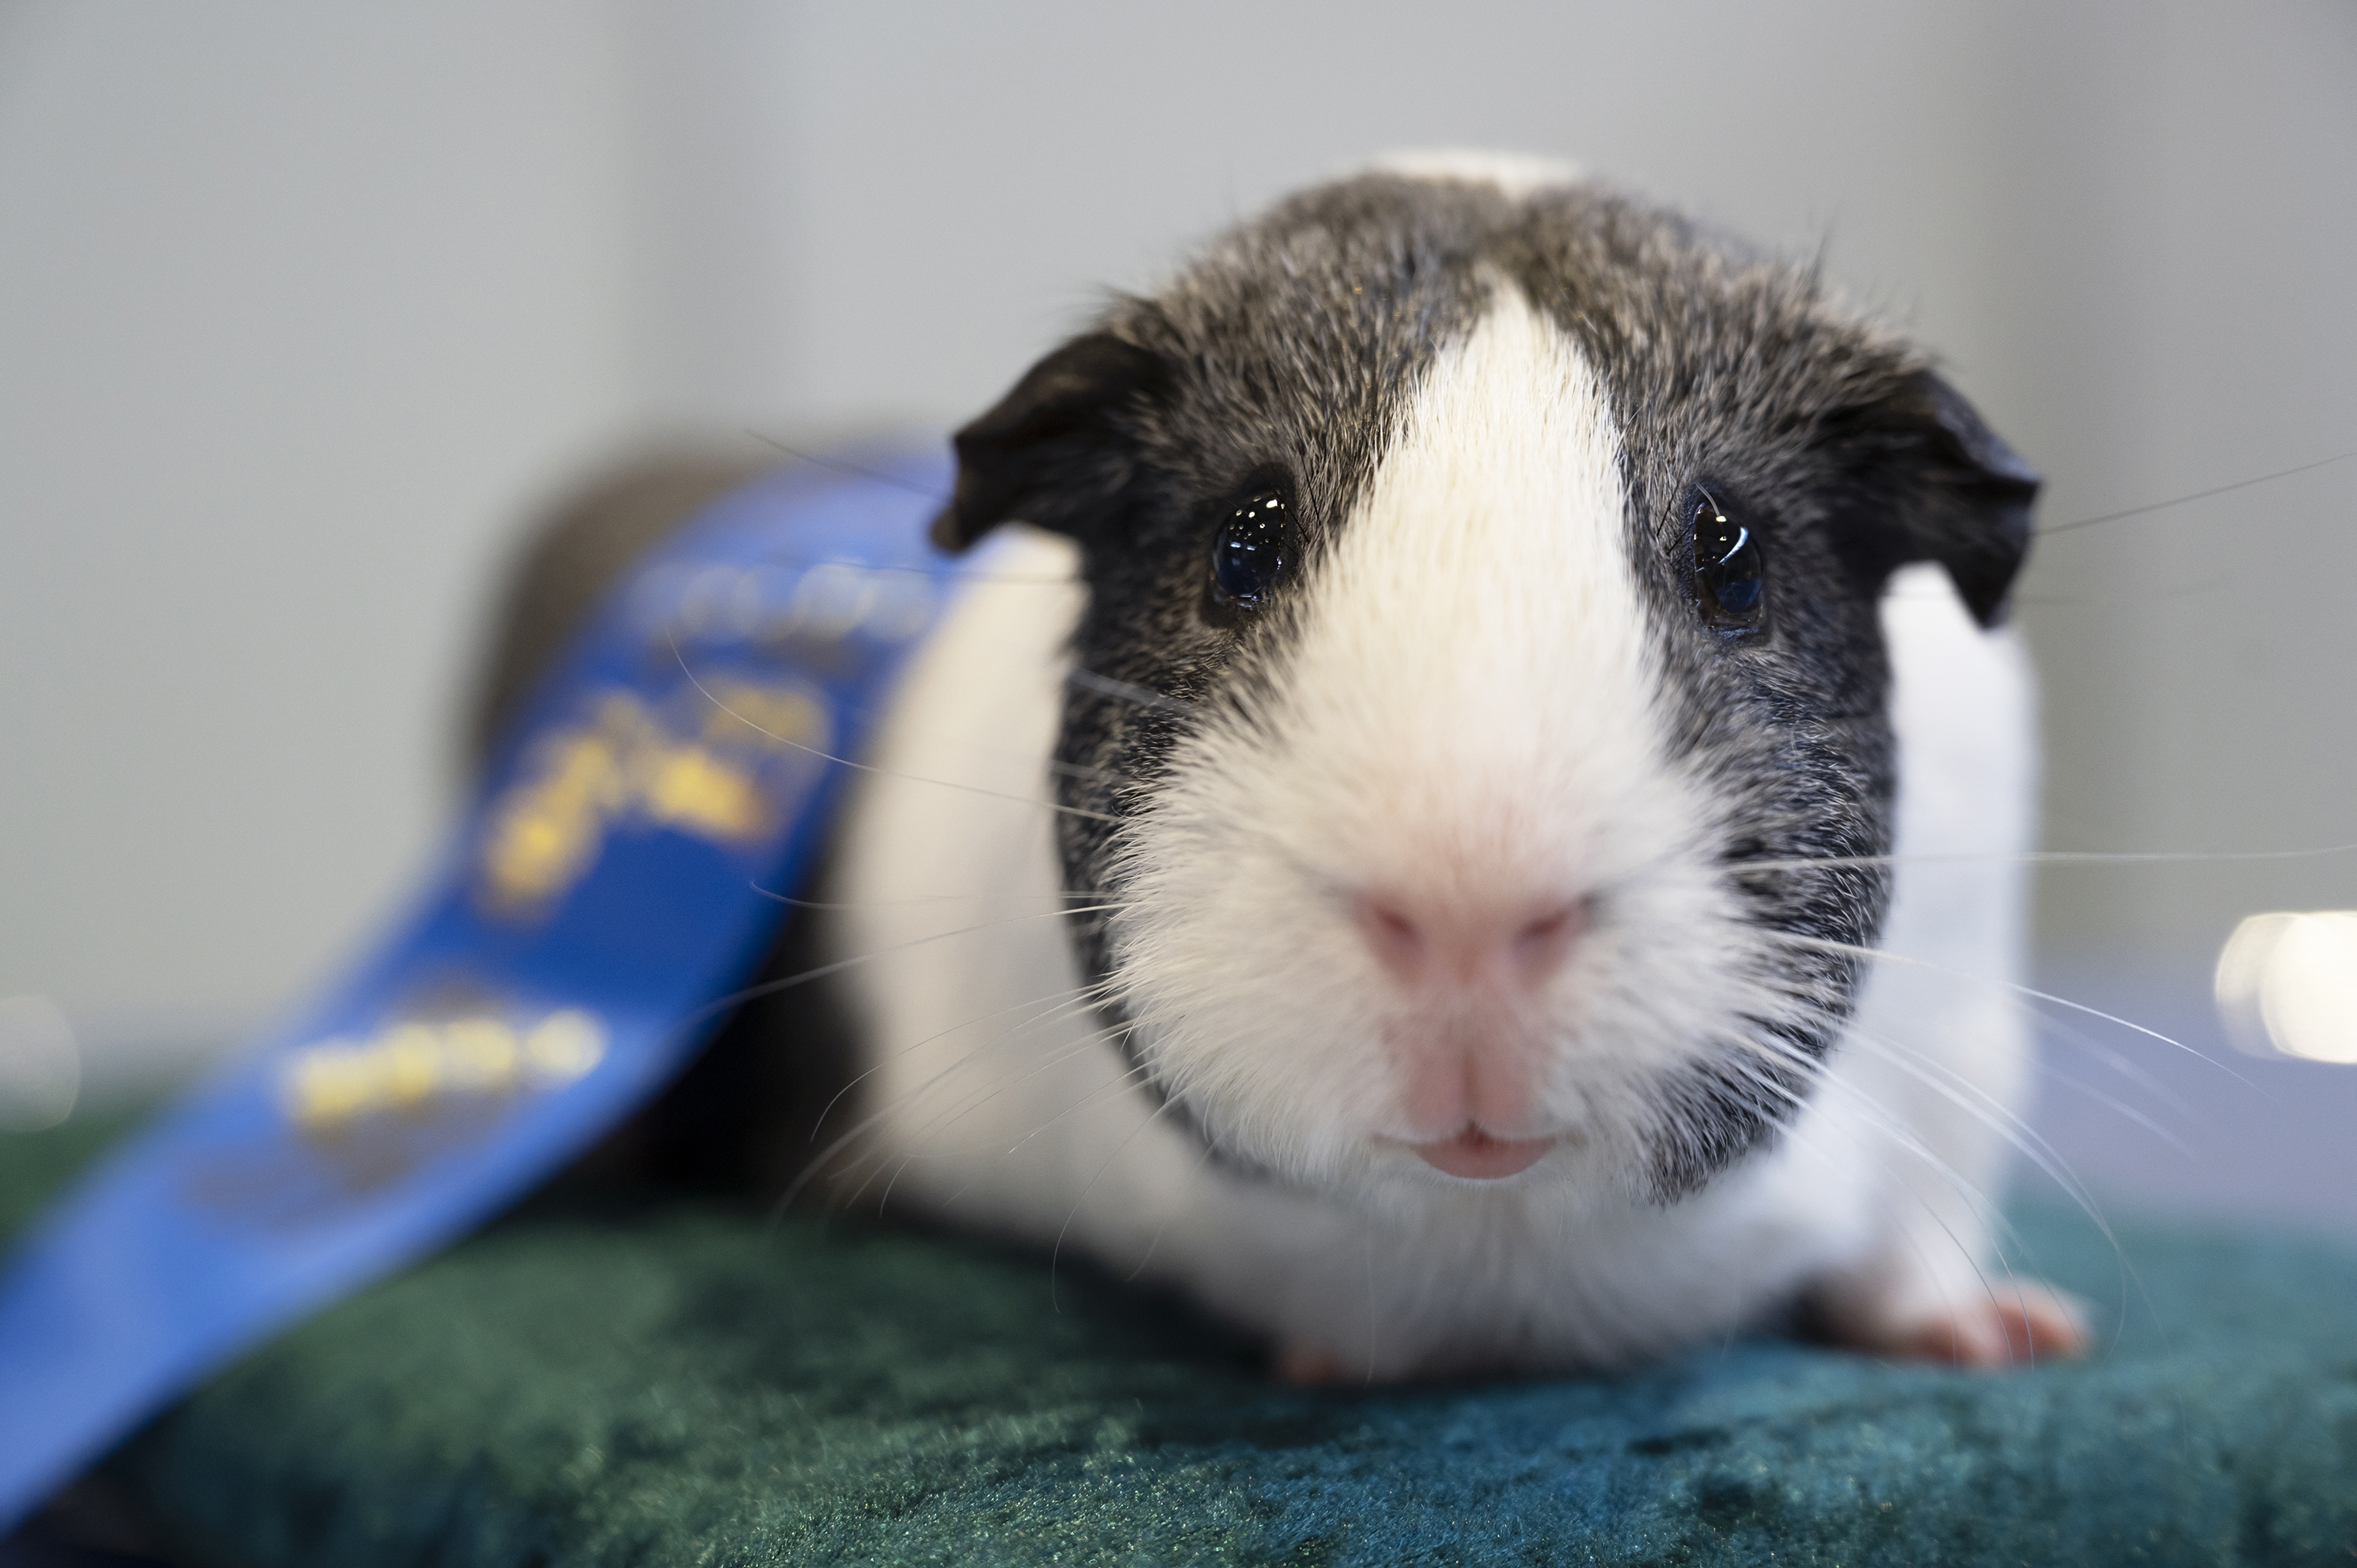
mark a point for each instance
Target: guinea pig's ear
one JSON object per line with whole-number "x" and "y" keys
{"x": 1962, "y": 497}
{"x": 1049, "y": 453}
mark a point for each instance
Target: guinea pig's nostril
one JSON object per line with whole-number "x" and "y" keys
{"x": 1398, "y": 941}
{"x": 1543, "y": 943}
{"x": 1448, "y": 946}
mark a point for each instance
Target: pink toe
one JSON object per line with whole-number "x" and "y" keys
{"x": 1297, "y": 1361}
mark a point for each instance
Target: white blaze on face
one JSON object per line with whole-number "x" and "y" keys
{"x": 1466, "y": 729}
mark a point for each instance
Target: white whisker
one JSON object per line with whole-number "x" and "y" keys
{"x": 2007, "y": 1125}
{"x": 771, "y": 987}
{"x": 950, "y": 1115}
{"x": 1106, "y": 686}
{"x": 1202, "y": 1160}
{"x": 1895, "y": 1128}
{"x": 1080, "y": 994}
{"x": 1825, "y": 944}
{"x": 1056, "y": 1252}
{"x": 2040, "y": 858}
{"x": 1051, "y": 1000}
{"x": 924, "y": 898}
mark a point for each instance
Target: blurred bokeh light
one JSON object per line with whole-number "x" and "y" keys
{"x": 2288, "y": 986}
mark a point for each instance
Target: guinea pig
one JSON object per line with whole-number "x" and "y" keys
{"x": 1473, "y": 821}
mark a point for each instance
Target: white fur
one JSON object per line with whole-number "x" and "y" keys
{"x": 1516, "y": 174}
{"x": 1470, "y": 706}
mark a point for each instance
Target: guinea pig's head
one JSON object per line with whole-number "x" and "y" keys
{"x": 1480, "y": 720}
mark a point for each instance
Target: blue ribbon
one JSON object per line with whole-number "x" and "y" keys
{"x": 601, "y": 899}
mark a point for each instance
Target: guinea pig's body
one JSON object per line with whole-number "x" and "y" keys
{"x": 1394, "y": 848}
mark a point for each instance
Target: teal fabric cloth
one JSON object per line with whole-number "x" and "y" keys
{"x": 653, "y": 1383}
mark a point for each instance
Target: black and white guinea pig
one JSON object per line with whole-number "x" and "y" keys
{"x": 1502, "y": 659}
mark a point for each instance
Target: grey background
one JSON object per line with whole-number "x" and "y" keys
{"x": 303, "y": 308}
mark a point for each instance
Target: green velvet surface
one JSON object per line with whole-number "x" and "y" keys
{"x": 669, "y": 1383}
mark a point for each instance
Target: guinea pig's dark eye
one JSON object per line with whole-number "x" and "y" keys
{"x": 1255, "y": 547}
{"x": 1727, "y": 566}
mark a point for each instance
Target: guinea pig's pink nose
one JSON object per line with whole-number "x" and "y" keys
{"x": 1432, "y": 944}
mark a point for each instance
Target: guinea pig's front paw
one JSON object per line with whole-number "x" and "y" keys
{"x": 2013, "y": 1321}
{"x": 1301, "y": 1362}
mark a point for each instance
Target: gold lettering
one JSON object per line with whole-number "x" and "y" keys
{"x": 689, "y": 789}
{"x": 479, "y": 1056}
{"x": 565, "y": 1046}
{"x": 325, "y": 1085}
{"x": 546, "y": 830}
{"x": 410, "y": 1059}
{"x": 409, "y": 1068}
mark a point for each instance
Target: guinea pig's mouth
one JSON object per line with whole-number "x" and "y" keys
{"x": 1476, "y": 1155}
